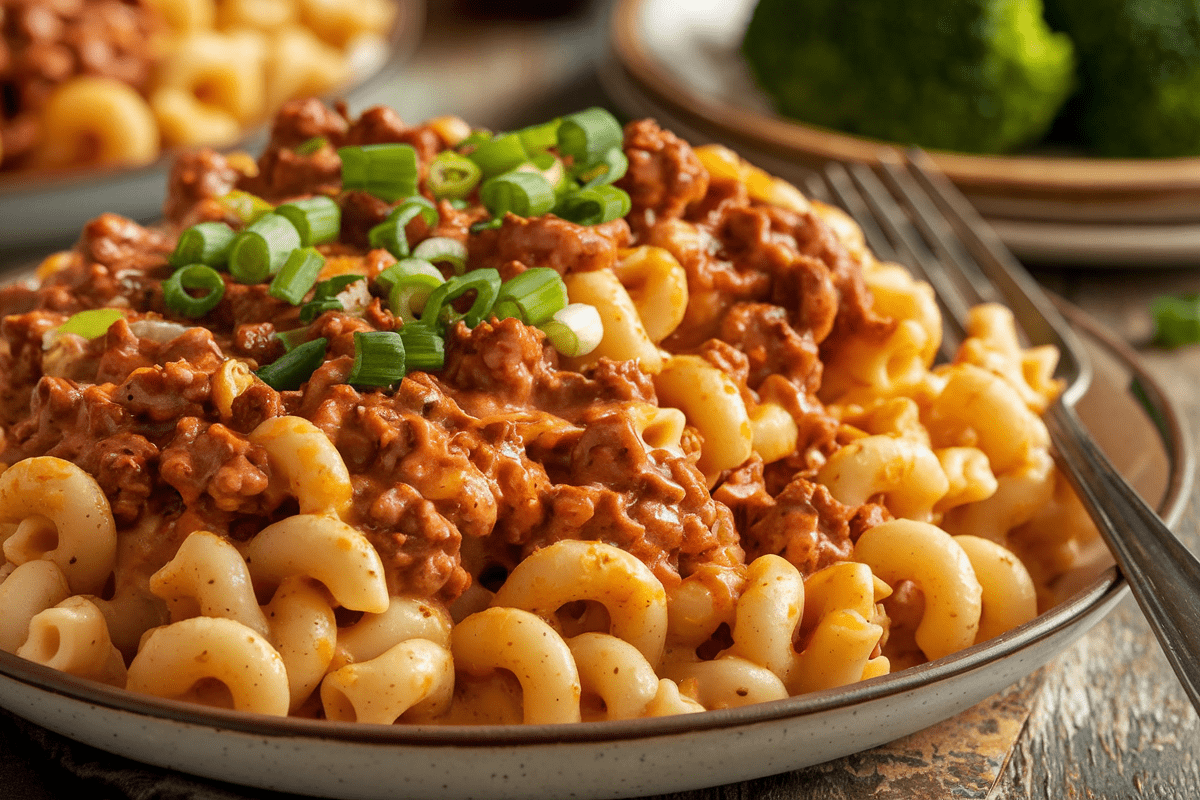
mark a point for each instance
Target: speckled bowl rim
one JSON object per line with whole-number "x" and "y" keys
{"x": 1105, "y": 591}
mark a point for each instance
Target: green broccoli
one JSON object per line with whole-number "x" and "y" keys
{"x": 969, "y": 75}
{"x": 1139, "y": 61}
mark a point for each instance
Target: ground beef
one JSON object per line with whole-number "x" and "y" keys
{"x": 664, "y": 174}
{"x": 471, "y": 467}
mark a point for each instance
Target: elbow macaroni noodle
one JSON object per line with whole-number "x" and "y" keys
{"x": 299, "y": 618}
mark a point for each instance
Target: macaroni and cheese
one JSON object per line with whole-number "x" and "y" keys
{"x": 113, "y": 82}
{"x": 727, "y": 471}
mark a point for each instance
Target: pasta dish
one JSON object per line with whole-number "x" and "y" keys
{"x": 112, "y": 82}
{"x": 426, "y": 424}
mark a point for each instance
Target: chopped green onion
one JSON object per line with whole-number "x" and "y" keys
{"x": 91, "y": 323}
{"x": 293, "y": 368}
{"x": 204, "y": 243}
{"x": 297, "y": 275}
{"x": 317, "y": 219}
{"x": 391, "y": 234}
{"x": 611, "y": 167}
{"x": 315, "y": 308}
{"x": 452, "y": 175}
{"x": 410, "y": 207}
{"x": 378, "y": 358}
{"x": 245, "y": 206}
{"x": 526, "y": 194}
{"x": 409, "y": 295}
{"x": 1176, "y": 320}
{"x": 325, "y": 296}
{"x": 537, "y": 294}
{"x": 292, "y": 339}
{"x": 423, "y": 349}
{"x": 439, "y": 311}
{"x": 310, "y": 146}
{"x": 594, "y": 206}
{"x": 499, "y": 155}
{"x": 486, "y": 225}
{"x": 476, "y": 138}
{"x": 388, "y": 171}
{"x": 194, "y": 276}
{"x": 259, "y": 251}
{"x": 409, "y": 266}
{"x": 539, "y": 138}
{"x": 443, "y": 250}
{"x": 575, "y": 330}
{"x": 334, "y": 286}
{"x": 549, "y": 166}
{"x": 588, "y": 135}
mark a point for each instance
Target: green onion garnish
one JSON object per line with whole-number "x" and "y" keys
{"x": 297, "y": 275}
{"x": 499, "y": 155}
{"x": 317, "y": 219}
{"x": 378, "y": 358}
{"x": 245, "y": 206}
{"x": 294, "y": 367}
{"x": 575, "y": 330}
{"x": 439, "y": 311}
{"x": 204, "y": 243}
{"x": 409, "y": 295}
{"x": 526, "y": 194}
{"x": 1176, "y": 320}
{"x": 486, "y": 225}
{"x": 259, "y": 251}
{"x": 334, "y": 286}
{"x": 588, "y": 135}
{"x": 407, "y": 266}
{"x": 310, "y": 146}
{"x": 91, "y": 323}
{"x": 315, "y": 308}
{"x": 476, "y": 138}
{"x": 550, "y": 167}
{"x": 539, "y": 138}
{"x": 443, "y": 250}
{"x": 423, "y": 348}
{"x": 611, "y": 167}
{"x": 391, "y": 234}
{"x": 594, "y": 206}
{"x": 536, "y": 295}
{"x": 388, "y": 171}
{"x": 452, "y": 176}
{"x": 193, "y": 277}
{"x": 292, "y": 339}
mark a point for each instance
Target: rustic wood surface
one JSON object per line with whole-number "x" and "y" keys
{"x": 1106, "y": 719}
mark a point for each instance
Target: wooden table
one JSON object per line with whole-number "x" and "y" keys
{"x": 1106, "y": 719}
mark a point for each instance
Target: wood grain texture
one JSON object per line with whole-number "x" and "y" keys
{"x": 1111, "y": 720}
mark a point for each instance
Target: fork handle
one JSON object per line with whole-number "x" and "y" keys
{"x": 1162, "y": 573}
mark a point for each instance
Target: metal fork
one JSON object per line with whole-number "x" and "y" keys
{"x": 911, "y": 213}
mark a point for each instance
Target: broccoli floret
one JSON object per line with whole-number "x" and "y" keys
{"x": 970, "y": 75}
{"x": 1139, "y": 61}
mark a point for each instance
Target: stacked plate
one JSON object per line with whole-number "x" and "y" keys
{"x": 681, "y": 63}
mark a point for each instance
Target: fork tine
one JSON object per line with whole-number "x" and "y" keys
{"x": 948, "y": 248}
{"x": 1037, "y": 316}
{"x": 843, "y": 191}
{"x": 913, "y": 251}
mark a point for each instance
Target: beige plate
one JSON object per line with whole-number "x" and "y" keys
{"x": 685, "y": 57}
{"x": 644, "y": 756}
{"x": 40, "y": 212}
